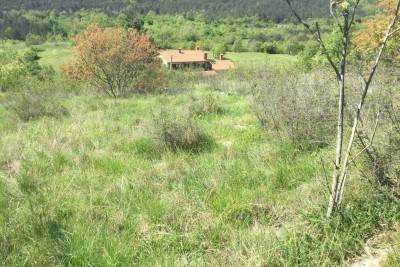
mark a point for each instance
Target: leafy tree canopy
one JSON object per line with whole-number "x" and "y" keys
{"x": 368, "y": 38}
{"x": 113, "y": 58}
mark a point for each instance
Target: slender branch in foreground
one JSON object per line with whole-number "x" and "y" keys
{"x": 317, "y": 37}
{"x": 394, "y": 31}
{"x": 371, "y": 140}
{"x": 361, "y": 104}
{"x": 354, "y": 13}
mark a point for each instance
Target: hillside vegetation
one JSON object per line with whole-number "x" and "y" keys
{"x": 274, "y": 10}
{"x": 107, "y": 158}
{"x": 185, "y": 177}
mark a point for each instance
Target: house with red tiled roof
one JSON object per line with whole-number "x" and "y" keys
{"x": 222, "y": 64}
{"x": 179, "y": 58}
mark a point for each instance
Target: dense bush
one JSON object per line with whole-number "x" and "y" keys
{"x": 270, "y": 48}
{"x": 178, "y": 130}
{"x": 35, "y": 101}
{"x": 207, "y": 103}
{"x": 307, "y": 57}
{"x": 33, "y": 39}
{"x": 15, "y": 67}
{"x": 294, "y": 48}
{"x": 10, "y": 70}
{"x": 299, "y": 107}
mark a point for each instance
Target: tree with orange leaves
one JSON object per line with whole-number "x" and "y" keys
{"x": 368, "y": 38}
{"x": 113, "y": 58}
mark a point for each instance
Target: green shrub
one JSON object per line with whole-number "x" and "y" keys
{"x": 269, "y": 48}
{"x": 46, "y": 73}
{"x": 292, "y": 48}
{"x": 10, "y": 71}
{"x": 307, "y": 57}
{"x": 179, "y": 131}
{"x": 33, "y": 39}
{"x": 207, "y": 103}
{"x": 34, "y": 103}
{"x": 15, "y": 68}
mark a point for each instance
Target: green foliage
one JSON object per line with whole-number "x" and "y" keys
{"x": 35, "y": 101}
{"x": 307, "y": 58}
{"x": 269, "y": 48}
{"x": 219, "y": 49}
{"x": 312, "y": 56}
{"x": 194, "y": 10}
{"x": 168, "y": 31}
{"x": 32, "y": 39}
{"x": 14, "y": 68}
{"x": 10, "y": 71}
{"x": 333, "y": 44}
{"x": 207, "y": 103}
{"x": 238, "y": 45}
{"x": 294, "y": 48}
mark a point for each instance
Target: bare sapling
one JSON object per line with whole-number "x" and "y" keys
{"x": 343, "y": 12}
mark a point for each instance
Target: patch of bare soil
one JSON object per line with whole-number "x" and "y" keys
{"x": 374, "y": 254}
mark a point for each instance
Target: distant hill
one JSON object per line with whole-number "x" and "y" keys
{"x": 274, "y": 10}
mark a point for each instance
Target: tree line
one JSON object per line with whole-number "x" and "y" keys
{"x": 272, "y": 10}
{"x": 167, "y": 31}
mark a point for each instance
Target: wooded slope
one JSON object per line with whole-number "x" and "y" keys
{"x": 274, "y": 10}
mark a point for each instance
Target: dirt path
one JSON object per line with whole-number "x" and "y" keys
{"x": 373, "y": 259}
{"x": 373, "y": 256}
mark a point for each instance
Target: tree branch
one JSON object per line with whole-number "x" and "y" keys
{"x": 395, "y": 31}
{"x": 371, "y": 140}
{"x": 317, "y": 37}
{"x": 354, "y": 13}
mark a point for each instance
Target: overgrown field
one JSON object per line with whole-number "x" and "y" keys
{"x": 187, "y": 177}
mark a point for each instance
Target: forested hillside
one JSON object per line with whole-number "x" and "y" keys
{"x": 275, "y": 10}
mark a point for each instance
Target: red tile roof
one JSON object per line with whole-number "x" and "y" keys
{"x": 224, "y": 64}
{"x": 184, "y": 56}
{"x": 193, "y": 56}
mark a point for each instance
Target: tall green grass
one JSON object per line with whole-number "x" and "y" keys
{"x": 95, "y": 188}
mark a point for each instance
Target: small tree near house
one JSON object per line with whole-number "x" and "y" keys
{"x": 113, "y": 58}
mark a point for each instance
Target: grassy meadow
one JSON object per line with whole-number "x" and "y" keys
{"x": 98, "y": 187}
{"x": 55, "y": 54}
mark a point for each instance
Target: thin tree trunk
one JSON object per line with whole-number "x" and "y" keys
{"x": 339, "y": 133}
{"x": 343, "y": 175}
{"x": 340, "y": 168}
